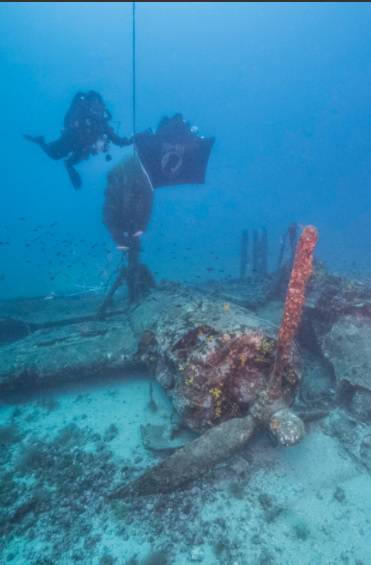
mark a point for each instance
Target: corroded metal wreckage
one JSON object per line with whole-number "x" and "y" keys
{"x": 226, "y": 370}
{"x": 229, "y": 382}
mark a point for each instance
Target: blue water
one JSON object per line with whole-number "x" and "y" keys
{"x": 285, "y": 89}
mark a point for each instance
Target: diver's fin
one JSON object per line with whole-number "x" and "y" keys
{"x": 74, "y": 176}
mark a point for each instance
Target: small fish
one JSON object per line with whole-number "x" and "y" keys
{"x": 226, "y": 307}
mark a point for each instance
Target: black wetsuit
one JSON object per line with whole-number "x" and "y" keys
{"x": 86, "y": 132}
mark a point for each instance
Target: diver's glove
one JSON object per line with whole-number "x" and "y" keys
{"x": 134, "y": 138}
{"x": 137, "y": 136}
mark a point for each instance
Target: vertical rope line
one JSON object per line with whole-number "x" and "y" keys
{"x": 134, "y": 73}
{"x": 134, "y": 93}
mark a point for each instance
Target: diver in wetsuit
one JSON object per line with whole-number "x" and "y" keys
{"x": 86, "y": 132}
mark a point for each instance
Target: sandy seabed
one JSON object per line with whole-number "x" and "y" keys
{"x": 62, "y": 452}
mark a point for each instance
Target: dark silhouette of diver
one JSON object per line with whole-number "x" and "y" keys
{"x": 86, "y": 132}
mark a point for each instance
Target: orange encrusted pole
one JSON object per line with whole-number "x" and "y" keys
{"x": 295, "y": 298}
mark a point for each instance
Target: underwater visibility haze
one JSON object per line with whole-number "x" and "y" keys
{"x": 185, "y": 289}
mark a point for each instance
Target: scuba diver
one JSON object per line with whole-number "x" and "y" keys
{"x": 86, "y": 132}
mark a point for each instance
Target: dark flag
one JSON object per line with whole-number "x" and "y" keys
{"x": 175, "y": 154}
